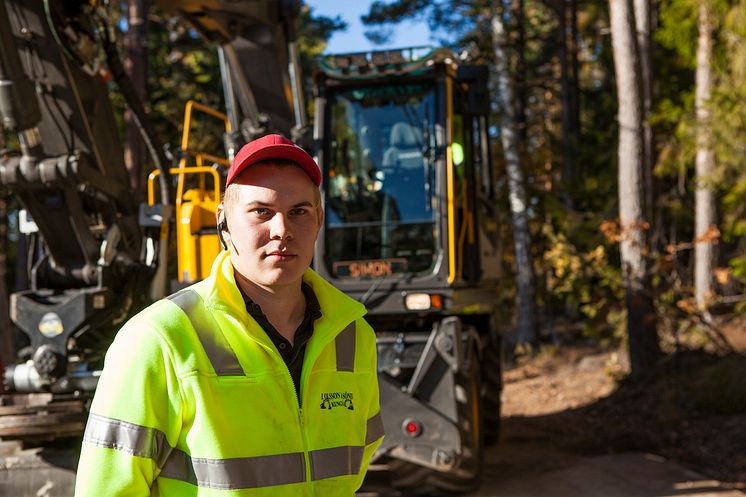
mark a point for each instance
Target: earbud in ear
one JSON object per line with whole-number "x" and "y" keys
{"x": 222, "y": 226}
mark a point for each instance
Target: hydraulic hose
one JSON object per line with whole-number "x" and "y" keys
{"x": 142, "y": 121}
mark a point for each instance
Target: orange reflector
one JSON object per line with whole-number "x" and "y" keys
{"x": 436, "y": 301}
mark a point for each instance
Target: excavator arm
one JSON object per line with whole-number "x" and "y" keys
{"x": 93, "y": 251}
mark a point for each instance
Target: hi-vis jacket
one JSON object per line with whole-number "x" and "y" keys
{"x": 195, "y": 400}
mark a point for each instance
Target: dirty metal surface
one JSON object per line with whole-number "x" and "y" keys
{"x": 41, "y": 417}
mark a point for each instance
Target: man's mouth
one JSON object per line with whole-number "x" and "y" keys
{"x": 280, "y": 256}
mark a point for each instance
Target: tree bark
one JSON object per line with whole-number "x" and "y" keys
{"x": 526, "y": 298}
{"x": 644, "y": 348}
{"x": 643, "y": 23}
{"x": 136, "y": 65}
{"x": 575, "y": 64}
{"x": 521, "y": 101}
{"x": 568, "y": 150}
{"x": 704, "y": 162}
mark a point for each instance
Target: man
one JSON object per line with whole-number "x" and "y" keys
{"x": 257, "y": 381}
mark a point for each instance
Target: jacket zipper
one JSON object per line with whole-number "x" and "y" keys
{"x": 301, "y": 421}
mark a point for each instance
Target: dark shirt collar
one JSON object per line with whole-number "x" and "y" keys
{"x": 313, "y": 309}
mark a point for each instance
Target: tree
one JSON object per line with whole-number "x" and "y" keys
{"x": 715, "y": 122}
{"x": 567, "y": 54}
{"x": 644, "y": 348}
{"x": 704, "y": 161}
{"x": 643, "y": 23}
{"x": 526, "y": 295}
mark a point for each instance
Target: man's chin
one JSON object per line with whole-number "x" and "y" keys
{"x": 282, "y": 276}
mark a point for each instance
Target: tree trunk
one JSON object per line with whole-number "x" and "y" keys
{"x": 644, "y": 348}
{"x": 643, "y": 28}
{"x": 136, "y": 65}
{"x": 7, "y": 350}
{"x": 705, "y": 162}
{"x": 568, "y": 152}
{"x": 521, "y": 101}
{"x": 575, "y": 64}
{"x": 526, "y": 298}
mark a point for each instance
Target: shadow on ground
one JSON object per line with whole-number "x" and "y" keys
{"x": 692, "y": 411}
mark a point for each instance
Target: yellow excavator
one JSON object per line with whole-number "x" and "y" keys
{"x": 401, "y": 137}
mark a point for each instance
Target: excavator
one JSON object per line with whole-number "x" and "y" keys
{"x": 402, "y": 140}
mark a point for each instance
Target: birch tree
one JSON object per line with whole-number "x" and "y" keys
{"x": 704, "y": 160}
{"x": 526, "y": 295}
{"x": 643, "y": 24}
{"x": 641, "y": 323}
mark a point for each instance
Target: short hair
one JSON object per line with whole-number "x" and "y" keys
{"x": 229, "y": 196}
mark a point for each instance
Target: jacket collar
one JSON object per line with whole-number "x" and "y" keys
{"x": 337, "y": 309}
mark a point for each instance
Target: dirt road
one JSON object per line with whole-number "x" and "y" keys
{"x": 527, "y": 469}
{"x": 570, "y": 430}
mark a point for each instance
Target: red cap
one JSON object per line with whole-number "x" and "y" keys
{"x": 273, "y": 147}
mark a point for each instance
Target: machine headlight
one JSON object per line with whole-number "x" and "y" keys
{"x": 422, "y": 301}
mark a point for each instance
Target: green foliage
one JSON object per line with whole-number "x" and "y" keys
{"x": 181, "y": 66}
{"x": 678, "y": 29}
{"x": 585, "y": 283}
{"x": 674, "y": 120}
{"x": 729, "y": 124}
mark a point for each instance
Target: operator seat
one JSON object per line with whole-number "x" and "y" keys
{"x": 404, "y": 170}
{"x": 405, "y": 147}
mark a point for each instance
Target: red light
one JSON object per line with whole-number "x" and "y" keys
{"x": 412, "y": 428}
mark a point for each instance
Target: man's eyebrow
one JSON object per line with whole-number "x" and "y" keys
{"x": 257, "y": 203}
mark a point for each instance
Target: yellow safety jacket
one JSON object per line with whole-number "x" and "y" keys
{"x": 195, "y": 400}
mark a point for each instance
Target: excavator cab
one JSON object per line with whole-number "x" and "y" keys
{"x": 408, "y": 178}
{"x": 410, "y": 231}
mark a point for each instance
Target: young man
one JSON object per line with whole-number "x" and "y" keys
{"x": 257, "y": 381}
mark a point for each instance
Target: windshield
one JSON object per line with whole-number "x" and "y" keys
{"x": 380, "y": 216}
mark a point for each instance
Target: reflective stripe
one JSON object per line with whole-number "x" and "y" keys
{"x": 133, "y": 439}
{"x": 345, "y": 344}
{"x": 217, "y": 348}
{"x": 237, "y": 473}
{"x": 374, "y": 429}
{"x": 337, "y": 461}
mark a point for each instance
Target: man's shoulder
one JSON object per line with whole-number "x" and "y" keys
{"x": 166, "y": 317}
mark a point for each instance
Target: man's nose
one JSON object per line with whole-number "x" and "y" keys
{"x": 279, "y": 228}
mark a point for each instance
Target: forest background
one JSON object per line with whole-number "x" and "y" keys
{"x": 556, "y": 133}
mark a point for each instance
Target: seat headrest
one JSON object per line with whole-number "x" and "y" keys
{"x": 404, "y": 135}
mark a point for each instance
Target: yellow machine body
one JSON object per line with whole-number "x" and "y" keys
{"x": 197, "y": 198}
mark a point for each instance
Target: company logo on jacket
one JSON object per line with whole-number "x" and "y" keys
{"x": 337, "y": 399}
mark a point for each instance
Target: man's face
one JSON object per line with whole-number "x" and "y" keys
{"x": 274, "y": 217}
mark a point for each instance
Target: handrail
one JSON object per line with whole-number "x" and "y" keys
{"x": 183, "y": 171}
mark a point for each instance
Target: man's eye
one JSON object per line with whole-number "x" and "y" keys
{"x": 261, "y": 212}
{"x": 300, "y": 211}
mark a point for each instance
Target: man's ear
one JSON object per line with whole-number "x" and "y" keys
{"x": 222, "y": 225}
